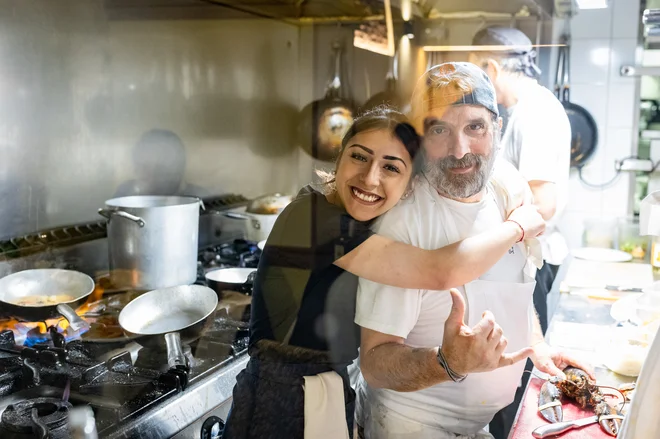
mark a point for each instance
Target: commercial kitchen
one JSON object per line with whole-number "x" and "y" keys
{"x": 151, "y": 144}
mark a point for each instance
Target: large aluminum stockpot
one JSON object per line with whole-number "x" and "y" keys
{"x": 152, "y": 241}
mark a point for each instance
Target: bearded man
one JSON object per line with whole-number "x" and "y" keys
{"x": 408, "y": 389}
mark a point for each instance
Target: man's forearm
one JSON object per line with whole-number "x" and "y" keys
{"x": 402, "y": 368}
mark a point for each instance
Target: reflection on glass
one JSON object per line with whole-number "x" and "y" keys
{"x": 159, "y": 161}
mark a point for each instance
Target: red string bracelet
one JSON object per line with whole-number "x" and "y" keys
{"x": 522, "y": 238}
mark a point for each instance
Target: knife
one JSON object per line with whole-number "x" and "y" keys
{"x": 551, "y": 430}
{"x": 623, "y": 289}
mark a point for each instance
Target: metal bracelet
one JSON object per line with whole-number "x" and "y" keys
{"x": 454, "y": 376}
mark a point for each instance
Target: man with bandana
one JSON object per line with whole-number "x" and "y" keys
{"x": 409, "y": 389}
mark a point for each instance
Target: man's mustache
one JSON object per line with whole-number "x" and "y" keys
{"x": 451, "y": 162}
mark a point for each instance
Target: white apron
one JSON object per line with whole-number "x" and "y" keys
{"x": 481, "y": 395}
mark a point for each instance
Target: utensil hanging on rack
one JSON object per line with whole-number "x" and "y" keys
{"x": 389, "y": 96}
{"x": 584, "y": 131}
{"x": 324, "y": 122}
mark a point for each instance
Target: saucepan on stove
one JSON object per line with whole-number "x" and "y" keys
{"x": 261, "y": 214}
{"x": 41, "y": 294}
{"x": 167, "y": 317}
{"x": 231, "y": 279}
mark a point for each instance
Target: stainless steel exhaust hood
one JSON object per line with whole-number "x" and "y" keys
{"x": 302, "y": 11}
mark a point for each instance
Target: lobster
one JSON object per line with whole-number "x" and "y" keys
{"x": 579, "y": 387}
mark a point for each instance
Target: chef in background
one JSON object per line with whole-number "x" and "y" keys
{"x": 537, "y": 141}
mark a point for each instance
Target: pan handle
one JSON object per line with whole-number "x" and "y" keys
{"x": 566, "y": 80}
{"x": 175, "y": 357}
{"x": 334, "y": 87}
{"x": 559, "y": 79}
{"x": 107, "y": 213}
{"x": 76, "y": 323}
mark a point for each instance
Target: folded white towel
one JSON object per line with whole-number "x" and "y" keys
{"x": 325, "y": 411}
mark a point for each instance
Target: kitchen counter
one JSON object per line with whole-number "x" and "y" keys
{"x": 579, "y": 326}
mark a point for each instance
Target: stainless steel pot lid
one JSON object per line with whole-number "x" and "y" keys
{"x": 230, "y": 275}
{"x": 147, "y": 201}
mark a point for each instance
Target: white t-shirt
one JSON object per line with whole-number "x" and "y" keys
{"x": 418, "y": 316}
{"x": 537, "y": 141}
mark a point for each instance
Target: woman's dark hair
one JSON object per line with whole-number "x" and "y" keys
{"x": 379, "y": 118}
{"x": 383, "y": 118}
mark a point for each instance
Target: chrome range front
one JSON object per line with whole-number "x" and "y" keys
{"x": 184, "y": 415}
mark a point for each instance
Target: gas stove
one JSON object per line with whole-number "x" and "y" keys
{"x": 46, "y": 371}
{"x": 238, "y": 253}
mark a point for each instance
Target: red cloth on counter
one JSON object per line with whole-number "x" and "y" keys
{"x": 529, "y": 418}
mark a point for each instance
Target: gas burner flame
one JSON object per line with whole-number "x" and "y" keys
{"x": 67, "y": 391}
{"x": 40, "y": 332}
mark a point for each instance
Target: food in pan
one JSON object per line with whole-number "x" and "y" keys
{"x": 45, "y": 300}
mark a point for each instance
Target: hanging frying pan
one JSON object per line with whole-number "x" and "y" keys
{"x": 389, "y": 96}
{"x": 584, "y": 131}
{"x": 324, "y": 122}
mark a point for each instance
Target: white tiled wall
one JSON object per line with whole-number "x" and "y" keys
{"x": 602, "y": 40}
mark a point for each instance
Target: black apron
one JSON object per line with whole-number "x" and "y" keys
{"x": 269, "y": 400}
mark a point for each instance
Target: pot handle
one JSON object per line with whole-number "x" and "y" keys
{"x": 234, "y": 215}
{"x": 76, "y": 323}
{"x": 107, "y": 213}
{"x": 175, "y": 357}
{"x": 201, "y": 204}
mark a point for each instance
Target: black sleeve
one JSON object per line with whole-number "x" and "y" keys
{"x": 337, "y": 233}
{"x": 312, "y": 233}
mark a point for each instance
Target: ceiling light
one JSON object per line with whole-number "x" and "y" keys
{"x": 408, "y": 29}
{"x": 482, "y": 48}
{"x": 592, "y": 4}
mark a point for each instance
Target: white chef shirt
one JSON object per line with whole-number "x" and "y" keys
{"x": 418, "y": 316}
{"x": 537, "y": 141}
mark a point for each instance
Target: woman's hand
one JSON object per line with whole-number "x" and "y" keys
{"x": 529, "y": 218}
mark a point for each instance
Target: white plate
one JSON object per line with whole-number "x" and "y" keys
{"x": 602, "y": 254}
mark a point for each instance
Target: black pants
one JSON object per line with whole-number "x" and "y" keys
{"x": 269, "y": 401}
{"x": 503, "y": 420}
{"x": 544, "y": 279}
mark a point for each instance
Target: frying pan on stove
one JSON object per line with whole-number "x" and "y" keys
{"x": 165, "y": 317}
{"x": 584, "y": 131}
{"x": 41, "y": 294}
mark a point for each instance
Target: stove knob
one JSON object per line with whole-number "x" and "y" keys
{"x": 212, "y": 428}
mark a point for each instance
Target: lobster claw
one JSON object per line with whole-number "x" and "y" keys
{"x": 610, "y": 420}
{"x": 610, "y": 426}
{"x": 550, "y": 403}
